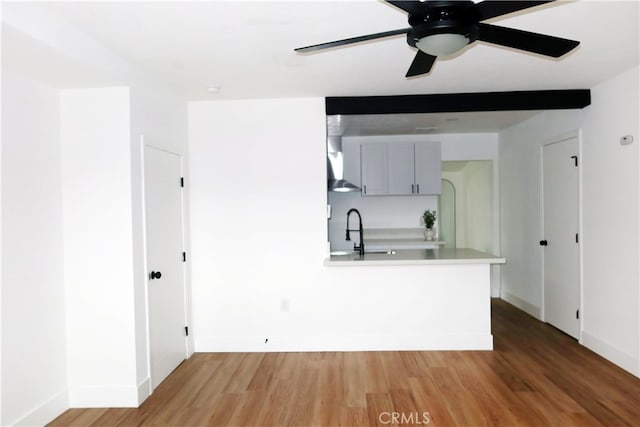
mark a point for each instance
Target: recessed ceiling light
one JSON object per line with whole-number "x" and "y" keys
{"x": 213, "y": 89}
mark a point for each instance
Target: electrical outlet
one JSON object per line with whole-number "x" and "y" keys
{"x": 285, "y": 305}
{"x": 626, "y": 140}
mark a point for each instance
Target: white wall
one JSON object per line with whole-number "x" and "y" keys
{"x": 96, "y": 172}
{"x": 610, "y": 206}
{"x": 33, "y": 371}
{"x": 520, "y": 198}
{"x": 103, "y": 176}
{"x": 473, "y": 185}
{"x": 478, "y": 215}
{"x": 85, "y": 146}
{"x": 158, "y": 118}
{"x": 610, "y": 200}
{"x": 259, "y": 240}
{"x": 258, "y": 216}
{"x": 103, "y": 132}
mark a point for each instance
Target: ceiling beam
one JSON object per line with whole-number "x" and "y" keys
{"x": 460, "y": 102}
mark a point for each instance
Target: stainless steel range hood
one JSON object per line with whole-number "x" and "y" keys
{"x": 335, "y": 167}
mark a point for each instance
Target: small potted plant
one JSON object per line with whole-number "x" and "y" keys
{"x": 429, "y": 220}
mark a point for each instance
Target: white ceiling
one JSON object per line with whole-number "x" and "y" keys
{"x": 246, "y": 49}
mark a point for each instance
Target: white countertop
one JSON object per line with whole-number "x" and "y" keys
{"x": 415, "y": 257}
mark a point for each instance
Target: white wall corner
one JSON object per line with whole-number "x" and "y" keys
{"x": 33, "y": 377}
{"x": 144, "y": 390}
{"x": 495, "y": 291}
{"x": 45, "y": 412}
{"x": 607, "y": 350}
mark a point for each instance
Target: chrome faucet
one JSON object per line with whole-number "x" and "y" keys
{"x": 359, "y": 248}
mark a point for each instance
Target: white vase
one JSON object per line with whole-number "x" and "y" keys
{"x": 429, "y": 234}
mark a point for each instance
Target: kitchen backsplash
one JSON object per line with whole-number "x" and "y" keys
{"x": 377, "y": 212}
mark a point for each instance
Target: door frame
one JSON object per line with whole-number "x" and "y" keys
{"x": 188, "y": 345}
{"x": 576, "y": 133}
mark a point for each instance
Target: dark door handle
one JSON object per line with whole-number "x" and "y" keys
{"x": 155, "y": 275}
{"x": 543, "y": 243}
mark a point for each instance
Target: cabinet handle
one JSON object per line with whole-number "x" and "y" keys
{"x": 365, "y": 189}
{"x": 418, "y": 187}
{"x": 412, "y": 192}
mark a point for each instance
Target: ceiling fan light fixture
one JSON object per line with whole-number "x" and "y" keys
{"x": 442, "y": 44}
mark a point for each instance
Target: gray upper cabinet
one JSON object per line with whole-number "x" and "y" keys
{"x": 374, "y": 166}
{"x": 401, "y": 170}
{"x": 395, "y": 169}
{"x": 428, "y": 168}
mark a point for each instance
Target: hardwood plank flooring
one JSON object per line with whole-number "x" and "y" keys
{"x": 536, "y": 376}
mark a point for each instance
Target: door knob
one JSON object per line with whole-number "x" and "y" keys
{"x": 155, "y": 275}
{"x": 543, "y": 243}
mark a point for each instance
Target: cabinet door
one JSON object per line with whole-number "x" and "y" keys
{"x": 428, "y": 165}
{"x": 375, "y": 170}
{"x": 351, "y": 165}
{"x": 401, "y": 168}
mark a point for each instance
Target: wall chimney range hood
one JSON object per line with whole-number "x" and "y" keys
{"x": 335, "y": 167}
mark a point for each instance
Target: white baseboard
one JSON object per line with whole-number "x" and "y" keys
{"x": 523, "y": 305}
{"x": 104, "y": 397}
{"x": 343, "y": 343}
{"x": 144, "y": 390}
{"x": 45, "y": 412}
{"x": 624, "y": 360}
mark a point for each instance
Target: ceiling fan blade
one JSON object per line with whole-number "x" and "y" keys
{"x": 410, "y": 7}
{"x": 524, "y": 40}
{"x": 421, "y": 64}
{"x": 352, "y": 40}
{"x": 491, "y": 9}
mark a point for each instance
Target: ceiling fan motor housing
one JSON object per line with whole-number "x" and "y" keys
{"x": 443, "y": 17}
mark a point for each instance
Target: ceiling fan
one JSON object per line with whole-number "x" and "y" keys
{"x": 440, "y": 28}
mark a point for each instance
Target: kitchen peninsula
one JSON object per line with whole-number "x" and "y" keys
{"x": 442, "y": 256}
{"x": 423, "y": 299}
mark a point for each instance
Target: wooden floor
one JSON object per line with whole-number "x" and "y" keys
{"x": 536, "y": 376}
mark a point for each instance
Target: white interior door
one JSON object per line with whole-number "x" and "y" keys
{"x": 561, "y": 241}
{"x": 166, "y": 290}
